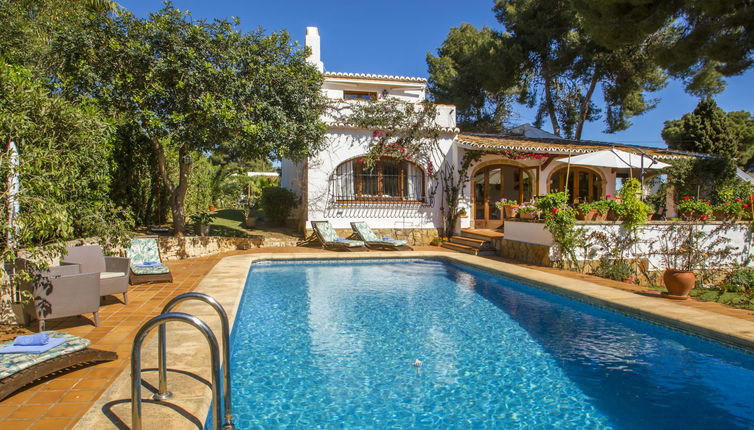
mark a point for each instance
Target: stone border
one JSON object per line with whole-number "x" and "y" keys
{"x": 226, "y": 281}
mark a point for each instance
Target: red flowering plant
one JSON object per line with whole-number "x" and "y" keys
{"x": 693, "y": 209}
{"x": 513, "y": 154}
{"x": 729, "y": 211}
{"x": 560, "y": 221}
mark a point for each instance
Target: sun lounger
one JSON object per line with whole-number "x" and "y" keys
{"x": 366, "y": 234}
{"x": 330, "y": 240}
{"x": 146, "y": 264}
{"x": 19, "y": 370}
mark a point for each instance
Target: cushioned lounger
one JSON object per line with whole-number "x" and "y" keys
{"x": 330, "y": 240}
{"x": 19, "y": 370}
{"x": 366, "y": 234}
{"x": 146, "y": 264}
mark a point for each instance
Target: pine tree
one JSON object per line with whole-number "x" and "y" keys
{"x": 708, "y": 130}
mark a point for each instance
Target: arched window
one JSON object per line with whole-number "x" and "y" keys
{"x": 389, "y": 180}
{"x": 584, "y": 185}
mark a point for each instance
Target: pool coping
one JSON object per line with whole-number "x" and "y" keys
{"x": 226, "y": 282}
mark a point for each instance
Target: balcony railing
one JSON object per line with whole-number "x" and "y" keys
{"x": 349, "y": 189}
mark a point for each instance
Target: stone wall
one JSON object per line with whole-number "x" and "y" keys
{"x": 178, "y": 248}
{"x": 414, "y": 236}
{"x": 531, "y": 253}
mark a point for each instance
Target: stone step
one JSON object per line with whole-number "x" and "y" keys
{"x": 467, "y": 249}
{"x": 474, "y": 243}
{"x": 486, "y": 235}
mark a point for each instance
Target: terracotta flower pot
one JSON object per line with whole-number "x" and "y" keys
{"x": 526, "y": 215}
{"x": 211, "y": 208}
{"x": 679, "y": 282}
{"x": 690, "y": 215}
{"x": 613, "y": 216}
{"x": 586, "y": 216}
{"x": 600, "y": 216}
{"x": 510, "y": 211}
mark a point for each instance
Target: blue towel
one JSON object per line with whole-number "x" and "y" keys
{"x": 32, "y": 340}
{"x": 148, "y": 263}
{"x": 385, "y": 239}
{"x": 54, "y": 341}
{"x": 339, "y": 239}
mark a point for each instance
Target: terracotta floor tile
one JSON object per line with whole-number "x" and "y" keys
{"x": 92, "y": 384}
{"x": 18, "y": 398}
{"x": 51, "y": 424}
{"x": 59, "y": 384}
{"x": 66, "y": 410}
{"x": 16, "y": 424}
{"x": 29, "y": 411}
{"x": 101, "y": 373}
{"x": 5, "y": 410}
{"x": 79, "y": 396}
{"x": 46, "y": 396}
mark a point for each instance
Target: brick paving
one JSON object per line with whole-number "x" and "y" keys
{"x": 60, "y": 400}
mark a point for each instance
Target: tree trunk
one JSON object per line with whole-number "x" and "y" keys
{"x": 549, "y": 101}
{"x": 178, "y": 196}
{"x": 584, "y": 111}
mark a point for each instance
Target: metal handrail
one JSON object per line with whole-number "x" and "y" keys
{"x": 136, "y": 363}
{"x": 163, "y": 392}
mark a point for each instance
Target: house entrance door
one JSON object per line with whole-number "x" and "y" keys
{"x": 492, "y": 183}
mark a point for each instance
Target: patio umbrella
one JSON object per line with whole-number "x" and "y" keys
{"x": 616, "y": 159}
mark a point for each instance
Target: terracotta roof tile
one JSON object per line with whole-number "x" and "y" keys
{"x": 560, "y": 146}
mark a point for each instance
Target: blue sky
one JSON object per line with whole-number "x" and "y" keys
{"x": 393, "y": 37}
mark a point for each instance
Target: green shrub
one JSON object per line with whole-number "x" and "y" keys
{"x": 617, "y": 270}
{"x": 634, "y": 211}
{"x": 277, "y": 203}
{"x": 741, "y": 278}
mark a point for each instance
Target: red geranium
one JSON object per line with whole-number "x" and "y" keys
{"x": 703, "y": 217}
{"x": 554, "y": 210}
{"x": 608, "y": 196}
{"x": 738, "y": 200}
{"x": 726, "y": 204}
{"x": 687, "y": 198}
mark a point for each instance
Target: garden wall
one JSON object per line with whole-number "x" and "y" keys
{"x": 729, "y": 244}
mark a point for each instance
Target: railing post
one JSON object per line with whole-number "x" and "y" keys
{"x": 163, "y": 392}
{"x": 160, "y": 320}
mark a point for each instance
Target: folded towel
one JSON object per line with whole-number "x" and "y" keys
{"x": 340, "y": 239}
{"x": 37, "y": 349}
{"x": 32, "y": 340}
{"x": 148, "y": 263}
{"x": 386, "y": 239}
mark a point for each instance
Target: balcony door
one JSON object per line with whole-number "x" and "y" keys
{"x": 494, "y": 182}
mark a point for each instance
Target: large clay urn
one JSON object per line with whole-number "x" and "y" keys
{"x": 679, "y": 282}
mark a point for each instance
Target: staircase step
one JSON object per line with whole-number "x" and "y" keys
{"x": 467, "y": 249}
{"x": 481, "y": 234}
{"x": 474, "y": 243}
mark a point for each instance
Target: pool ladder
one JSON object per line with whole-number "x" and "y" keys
{"x": 162, "y": 394}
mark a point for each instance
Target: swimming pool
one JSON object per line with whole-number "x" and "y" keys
{"x": 428, "y": 344}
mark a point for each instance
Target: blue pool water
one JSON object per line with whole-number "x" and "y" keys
{"x": 335, "y": 346}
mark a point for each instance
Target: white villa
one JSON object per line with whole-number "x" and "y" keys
{"x": 399, "y": 198}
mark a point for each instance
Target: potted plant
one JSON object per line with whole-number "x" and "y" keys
{"x": 686, "y": 249}
{"x": 211, "y": 208}
{"x": 586, "y": 212}
{"x": 202, "y": 220}
{"x": 614, "y": 208}
{"x": 602, "y": 207}
{"x": 729, "y": 211}
{"x": 507, "y": 207}
{"x": 694, "y": 209}
{"x": 527, "y": 211}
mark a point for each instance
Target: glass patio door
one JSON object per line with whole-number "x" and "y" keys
{"x": 495, "y": 182}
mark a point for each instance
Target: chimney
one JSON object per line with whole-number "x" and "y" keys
{"x": 312, "y": 41}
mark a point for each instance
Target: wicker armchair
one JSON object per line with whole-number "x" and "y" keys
{"x": 113, "y": 271}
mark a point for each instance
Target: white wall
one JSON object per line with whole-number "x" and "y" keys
{"x": 346, "y": 144}
{"x": 652, "y": 238}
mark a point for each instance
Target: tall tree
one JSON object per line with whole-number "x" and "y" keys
{"x": 710, "y": 39}
{"x": 710, "y": 130}
{"x": 543, "y": 60}
{"x": 189, "y": 85}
